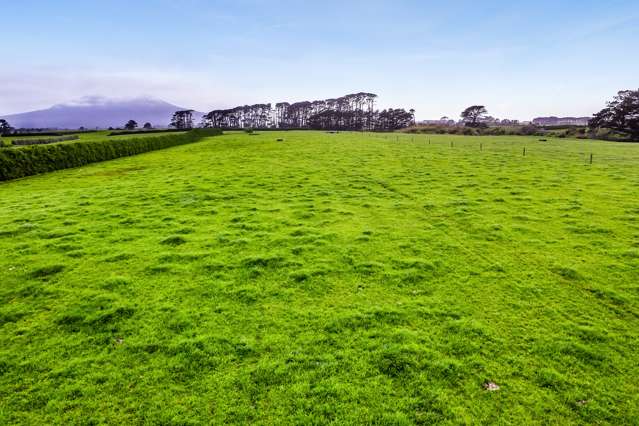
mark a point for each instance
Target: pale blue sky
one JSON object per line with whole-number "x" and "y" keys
{"x": 519, "y": 58}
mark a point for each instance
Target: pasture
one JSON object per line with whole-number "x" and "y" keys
{"x": 82, "y": 136}
{"x": 6, "y": 140}
{"x": 328, "y": 278}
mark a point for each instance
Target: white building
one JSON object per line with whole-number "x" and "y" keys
{"x": 561, "y": 121}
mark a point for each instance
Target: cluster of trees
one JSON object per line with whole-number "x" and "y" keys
{"x": 621, "y": 115}
{"x": 393, "y": 119}
{"x": 248, "y": 116}
{"x": 477, "y": 116}
{"x": 351, "y": 112}
{"x": 473, "y": 116}
{"x": 182, "y": 120}
{"x": 132, "y": 125}
{"x": 5, "y": 127}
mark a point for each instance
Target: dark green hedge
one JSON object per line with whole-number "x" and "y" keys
{"x": 31, "y": 160}
{"x": 144, "y": 132}
{"x": 43, "y": 141}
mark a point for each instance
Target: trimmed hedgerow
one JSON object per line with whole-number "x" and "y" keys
{"x": 144, "y": 132}
{"x": 31, "y": 160}
{"x": 44, "y": 141}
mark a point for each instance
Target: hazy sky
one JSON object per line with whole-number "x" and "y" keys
{"x": 519, "y": 58}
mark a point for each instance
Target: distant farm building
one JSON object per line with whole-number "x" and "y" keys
{"x": 561, "y": 121}
{"x": 444, "y": 121}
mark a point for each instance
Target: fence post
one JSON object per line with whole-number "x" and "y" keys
{"x": 591, "y": 158}
{"x": 524, "y": 151}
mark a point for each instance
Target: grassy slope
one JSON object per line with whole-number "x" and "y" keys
{"x": 325, "y": 278}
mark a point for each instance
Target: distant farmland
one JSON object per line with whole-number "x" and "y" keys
{"x": 345, "y": 278}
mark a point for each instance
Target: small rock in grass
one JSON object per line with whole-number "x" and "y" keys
{"x": 582, "y": 402}
{"x": 491, "y": 386}
{"x": 119, "y": 341}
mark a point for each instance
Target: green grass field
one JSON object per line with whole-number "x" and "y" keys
{"x": 88, "y": 136}
{"x": 329, "y": 278}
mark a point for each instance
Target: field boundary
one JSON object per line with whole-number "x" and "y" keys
{"x": 44, "y": 141}
{"x": 36, "y": 159}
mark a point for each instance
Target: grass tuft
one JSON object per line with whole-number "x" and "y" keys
{"x": 47, "y": 271}
{"x": 174, "y": 240}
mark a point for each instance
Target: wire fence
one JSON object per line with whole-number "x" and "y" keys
{"x": 587, "y": 152}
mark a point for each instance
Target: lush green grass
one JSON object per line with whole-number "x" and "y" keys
{"x": 38, "y": 159}
{"x": 6, "y": 140}
{"x": 339, "y": 278}
{"x": 88, "y": 136}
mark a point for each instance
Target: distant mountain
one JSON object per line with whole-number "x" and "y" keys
{"x": 96, "y": 111}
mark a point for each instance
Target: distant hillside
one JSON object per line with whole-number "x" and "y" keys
{"x": 93, "y": 111}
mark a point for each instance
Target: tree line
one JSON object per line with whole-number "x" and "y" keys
{"x": 351, "y": 112}
{"x": 621, "y": 115}
{"x": 357, "y": 112}
{"x": 5, "y": 127}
